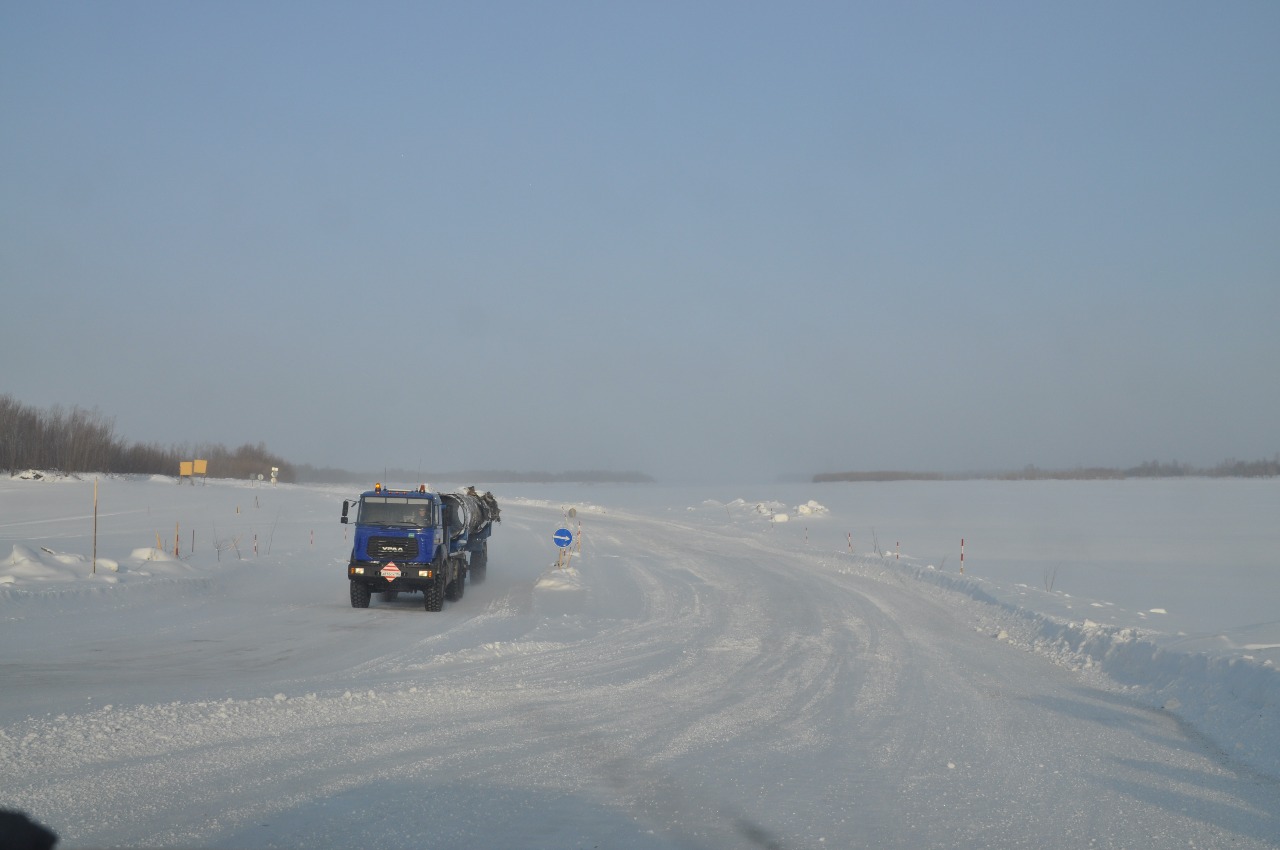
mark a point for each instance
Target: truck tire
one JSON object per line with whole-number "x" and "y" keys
{"x": 480, "y": 564}
{"x": 434, "y": 594}
{"x": 359, "y": 595}
{"x": 454, "y": 590}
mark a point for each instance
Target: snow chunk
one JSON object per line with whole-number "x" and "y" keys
{"x": 812, "y": 508}
{"x": 769, "y": 508}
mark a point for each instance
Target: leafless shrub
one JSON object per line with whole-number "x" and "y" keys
{"x": 221, "y": 544}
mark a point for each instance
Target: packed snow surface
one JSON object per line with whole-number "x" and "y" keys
{"x": 699, "y": 672}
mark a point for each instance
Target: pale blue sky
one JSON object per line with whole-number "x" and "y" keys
{"x": 702, "y": 241}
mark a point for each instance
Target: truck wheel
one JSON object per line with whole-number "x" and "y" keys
{"x": 359, "y": 595}
{"x": 479, "y": 565}
{"x": 434, "y": 594}
{"x": 453, "y": 592}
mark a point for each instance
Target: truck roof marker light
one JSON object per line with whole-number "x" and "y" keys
{"x": 422, "y": 488}
{"x": 377, "y": 487}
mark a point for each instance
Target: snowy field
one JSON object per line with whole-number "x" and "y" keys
{"x": 786, "y": 665}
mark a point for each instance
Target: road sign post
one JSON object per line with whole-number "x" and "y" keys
{"x": 564, "y": 539}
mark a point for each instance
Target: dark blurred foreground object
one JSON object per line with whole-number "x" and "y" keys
{"x": 19, "y": 832}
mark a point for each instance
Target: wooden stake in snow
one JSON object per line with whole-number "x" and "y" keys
{"x": 95, "y": 527}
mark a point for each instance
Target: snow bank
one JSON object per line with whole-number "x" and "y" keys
{"x": 560, "y": 579}
{"x": 769, "y": 510}
{"x": 25, "y": 565}
{"x": 579, "y": 507}
{"x": 44, "y": 475}
{"x": 1233, "y": 700}
{"x": 558, "y": 594}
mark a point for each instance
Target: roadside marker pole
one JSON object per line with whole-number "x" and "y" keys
{"x": 896, "y": 547}
{"x": 95, "y": 526}
{"x": 961, "y": 556}
{"x": 176, "y": 553}
{"x": 850, "y": 536}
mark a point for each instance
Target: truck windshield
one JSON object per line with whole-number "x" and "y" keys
{"x": 396, "y": 510}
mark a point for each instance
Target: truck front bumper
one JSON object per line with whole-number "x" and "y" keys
{"x": 392, "y": 576}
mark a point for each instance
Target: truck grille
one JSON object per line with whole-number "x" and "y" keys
{"x": 405, "y": 548}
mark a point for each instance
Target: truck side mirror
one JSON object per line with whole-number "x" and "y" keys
{"x": 345, "y": 506}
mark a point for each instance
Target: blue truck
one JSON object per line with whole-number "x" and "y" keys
{"x": 418, "y": 540}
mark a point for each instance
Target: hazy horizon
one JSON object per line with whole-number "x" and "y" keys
{"x": 707, "y": 242}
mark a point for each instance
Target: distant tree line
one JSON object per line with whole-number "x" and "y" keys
{"x": 885, "y": 475}
{"x": 1150, "y": 469}
{"x": 1154, "y": 469}
{"x": 79, "y": 440}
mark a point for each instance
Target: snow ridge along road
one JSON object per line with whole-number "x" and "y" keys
{"x": 683, "y": 683}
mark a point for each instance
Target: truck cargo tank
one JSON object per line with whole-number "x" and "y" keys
{"x": 466, "y": 514}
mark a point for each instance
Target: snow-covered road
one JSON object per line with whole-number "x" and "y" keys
{"x": 683, "y": 684}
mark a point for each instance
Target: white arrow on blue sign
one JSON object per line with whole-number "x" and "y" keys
{"x": 563, "y": 537}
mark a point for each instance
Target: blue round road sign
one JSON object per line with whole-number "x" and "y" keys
{"x": 563, "y": 537}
